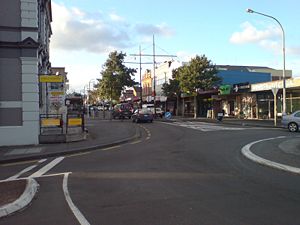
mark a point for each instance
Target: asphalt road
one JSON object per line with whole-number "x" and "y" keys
{"x": 177, "y": 174}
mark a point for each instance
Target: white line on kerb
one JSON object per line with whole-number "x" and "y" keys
{"x": 46, "y": 168}
{"x": 81, "y": 219}
{"x": 250, "y": 155}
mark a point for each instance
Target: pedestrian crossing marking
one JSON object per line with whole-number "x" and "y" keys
{"x": 202, "y": 126}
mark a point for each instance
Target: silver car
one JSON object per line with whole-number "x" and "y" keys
{"x": 292, "y": 121}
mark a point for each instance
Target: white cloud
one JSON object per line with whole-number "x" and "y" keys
{"x": 270, "y": 38}
{"x": 251, "y": 34}
{"x": 150, "y": 29}
{"x": 77, "y": 30}
{"x": 293, "y": 51}
{"x": 115, "y": 17}
{"x": 74, "y": 29}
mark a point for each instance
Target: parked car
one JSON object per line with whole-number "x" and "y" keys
{"x": 157, "y": 111}
{"x": 292, "y": 121}
{"x": 142, "y": 115}
{"x": 123, "y": 110}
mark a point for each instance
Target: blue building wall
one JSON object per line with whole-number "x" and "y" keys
{"x": 234, "y": 77}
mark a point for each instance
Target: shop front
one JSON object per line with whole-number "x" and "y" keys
{"x": 265, "y": 97}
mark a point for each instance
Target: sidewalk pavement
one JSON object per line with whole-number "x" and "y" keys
{"x": 101, "y": 133}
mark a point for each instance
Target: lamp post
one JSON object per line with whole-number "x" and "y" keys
{"x": 283, "y": 53}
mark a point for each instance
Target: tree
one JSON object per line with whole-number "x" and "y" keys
{"x": 172, "y": 89}
{"x": 115, "y": 76}
{"x": 198, "y": 74}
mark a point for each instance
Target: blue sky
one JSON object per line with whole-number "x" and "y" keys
{"x": 85, "y": 31}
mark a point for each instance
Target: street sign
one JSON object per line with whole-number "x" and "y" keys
{"x": 168, "y": 115}
{"x": 51, "y": 78}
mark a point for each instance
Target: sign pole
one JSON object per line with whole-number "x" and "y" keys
{"x": 275, "y": 90}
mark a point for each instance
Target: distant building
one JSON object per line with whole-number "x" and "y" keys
{"x": 24, "y": 54}
{"x": 147, "y": 88}
{"x": 274, "y": 74}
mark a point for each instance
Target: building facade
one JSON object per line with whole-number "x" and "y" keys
{"x": 24, "y": 53}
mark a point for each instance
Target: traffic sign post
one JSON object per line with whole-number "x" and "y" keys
{"x": 275, "y": 90}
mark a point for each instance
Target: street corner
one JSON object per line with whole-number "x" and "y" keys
{"x": 16, "y": 194}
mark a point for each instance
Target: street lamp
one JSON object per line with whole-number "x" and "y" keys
{"x": 283, "y": 53}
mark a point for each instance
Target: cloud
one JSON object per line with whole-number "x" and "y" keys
{"x": 269, "y": 38}
{"x": 150, "y": 29}
{"x": 74, "y": 29}
{"x": 251, "y": 34}
{"x": 293, "y": 51}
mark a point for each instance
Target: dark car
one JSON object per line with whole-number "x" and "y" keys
{"x": 142, "y": 115}
{"x": 123, "y": 110}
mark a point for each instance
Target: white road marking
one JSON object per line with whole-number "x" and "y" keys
{"x": 14, "y": 177}
{"x": 46, "y": 168}
{"x": 110, "y": 148}
{"x": 204, "y": 126}
{"x": 250, "y": 155}
{"x": 79, "y": 216}
{"x": 42, "y": 160}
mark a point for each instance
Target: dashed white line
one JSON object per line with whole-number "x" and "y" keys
{"x": 79, "y": 216}
{"x": 46, "y": 168}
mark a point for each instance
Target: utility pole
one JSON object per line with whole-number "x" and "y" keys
{"x": 154, "y": 67}
{"x": 141, "y": 88}
{"x": 154, "y": 91}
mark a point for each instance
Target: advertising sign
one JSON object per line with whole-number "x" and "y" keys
{"x": 241, "y": 87}
{"x": 50, "y": 78}
{"x": 225, "y": 89}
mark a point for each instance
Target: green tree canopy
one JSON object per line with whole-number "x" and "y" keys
{"x": 172, "y": 89}
{"x": 199, "y": 73}
{"x": 115, "y": 76}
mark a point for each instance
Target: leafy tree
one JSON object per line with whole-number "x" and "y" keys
{"x": 198, "y": 74}
{"x": 115, "y": 76}
{"x": 172, "y": 89}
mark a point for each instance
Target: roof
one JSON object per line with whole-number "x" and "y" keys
{"x": 241, "y": 68}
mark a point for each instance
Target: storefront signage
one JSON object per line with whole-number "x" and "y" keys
{"x": 51, "y": 78}
{"x": 225, "y": 89}
{"x": 241, "y": 87}
{"x": 289, "y": 83}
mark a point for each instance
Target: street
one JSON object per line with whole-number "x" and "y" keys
{"x": 183, "y": 173}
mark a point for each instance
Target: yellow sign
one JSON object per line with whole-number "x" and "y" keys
{"x": 46, "y": 122}
{"x": 74, "y": 121}
{"x": 57, "y": 93}
{"x": 51, "y": 78}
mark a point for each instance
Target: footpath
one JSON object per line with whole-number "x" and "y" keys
{"x": 15, "y": 195}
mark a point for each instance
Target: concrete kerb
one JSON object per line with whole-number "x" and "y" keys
{"x": 255, "y": 158}
{"x": 73, "y": 151}
{"x": 27, "y": 196}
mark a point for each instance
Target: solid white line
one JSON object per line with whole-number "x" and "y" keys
{"x": 81, "y": 219}
{"x": 46, "y": 168}
{"x": 22, "y": 172}
{"x": 42, "y": 160}
{"x": 25, "y": 170}
{"x": 250, "y": 155}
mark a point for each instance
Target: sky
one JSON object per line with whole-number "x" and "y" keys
{"x": 86, "y": 31}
